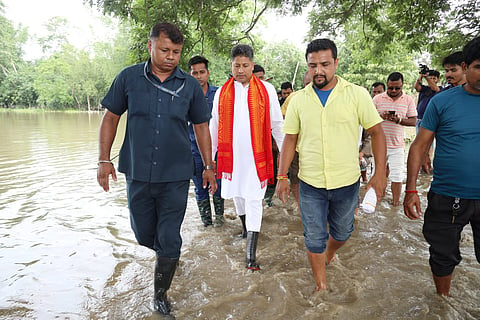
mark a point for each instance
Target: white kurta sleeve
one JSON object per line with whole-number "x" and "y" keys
{"x": 276, "y": 117}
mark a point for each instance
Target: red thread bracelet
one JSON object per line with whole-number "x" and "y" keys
{"x": 411, "y": 191}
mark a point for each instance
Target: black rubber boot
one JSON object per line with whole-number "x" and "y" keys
{"x": 244, "y": 226}
{"x": 252, "y": 238}
{"x": 164, "y": 271}
{"x": 219, "y": 206}
{"x": 205, "y": 212}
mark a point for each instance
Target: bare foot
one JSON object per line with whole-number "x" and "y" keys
{"x": 322, "y": 287}
{"x": 332, "y": 260}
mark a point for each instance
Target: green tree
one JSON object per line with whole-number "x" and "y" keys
{"x": 284, "y": 62}
{"x": 71, "y": 77}
{"x": 362, "y": 65}
{"x": 54, "y": 81}
{"x": 207, "y": 25}
{"x": 419, "y": 25}
{"x": 57, "y": 28}
{"x": 16, "y": 77}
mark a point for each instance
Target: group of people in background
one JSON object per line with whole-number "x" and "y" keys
{"x": 180, "y": 127}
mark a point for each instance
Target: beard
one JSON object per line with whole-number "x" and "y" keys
{"x": 320, "y": 85}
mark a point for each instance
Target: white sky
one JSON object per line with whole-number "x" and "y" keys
{"x": 34, "y": 14}
{"x": 291, "y": 28}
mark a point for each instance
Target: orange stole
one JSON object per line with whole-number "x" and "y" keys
{"x": 260, "y": 130}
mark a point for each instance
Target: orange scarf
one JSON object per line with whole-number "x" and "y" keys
{"x": 260, "y": 130}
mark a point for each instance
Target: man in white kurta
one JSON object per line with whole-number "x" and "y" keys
{"x": 244, "y": 185}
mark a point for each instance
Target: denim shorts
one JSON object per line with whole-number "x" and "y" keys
{"x": 443, "y": 224}
{"x": 319, "y": 206}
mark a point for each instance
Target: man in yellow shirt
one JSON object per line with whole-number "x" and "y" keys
{"x": 322, "y": 122}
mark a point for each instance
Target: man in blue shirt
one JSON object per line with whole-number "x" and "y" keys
{"x": 198, "y": 67}
{"x": 453, "y": 118}
{"x": 155, "y": 156}
{"x": 425, "y": 93}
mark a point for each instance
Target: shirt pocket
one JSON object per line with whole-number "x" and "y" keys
{"x": 178, "y": 108}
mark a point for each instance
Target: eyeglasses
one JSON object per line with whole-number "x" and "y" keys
{"x": 394, "y": 88}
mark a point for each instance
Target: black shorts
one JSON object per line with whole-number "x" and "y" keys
{"x": 443, "y": 224}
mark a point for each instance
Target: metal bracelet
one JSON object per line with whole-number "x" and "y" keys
{"x": 104, "y": 161}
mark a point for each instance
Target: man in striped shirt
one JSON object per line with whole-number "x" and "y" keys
{"x": 397, "y": 110}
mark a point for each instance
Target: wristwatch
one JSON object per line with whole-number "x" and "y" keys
{"x": 208, "y": 167}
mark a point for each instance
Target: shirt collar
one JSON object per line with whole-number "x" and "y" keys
{"x": 177, "y": 72}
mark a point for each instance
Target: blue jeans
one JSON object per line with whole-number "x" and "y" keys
{"x": 200, "y": 192}
{"x": 319, "y": 206}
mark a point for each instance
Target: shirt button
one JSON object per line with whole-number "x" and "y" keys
{"x": 160, "y": 100}
{"x": 158, "y": 116}
{"x": 154, "y": 163}
{"x": 157, "y": 132}
{"x": 156, "y": 148}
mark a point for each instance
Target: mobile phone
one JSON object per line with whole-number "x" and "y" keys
{"x": 391, "y": 113}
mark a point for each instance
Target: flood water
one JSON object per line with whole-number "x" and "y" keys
{"x": 67, "y": 250}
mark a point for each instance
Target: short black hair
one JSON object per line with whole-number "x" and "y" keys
{"x": 471, "y": 51}
{"x": 395, "y": 76}
{"x": 454, "y": 58}
{"x": 434, "y": 73}
{"x": 170, "y": 30}
{"x": 286, "y": 85}
{"x": 376, "y": 84}
{"x": 320, "y": 45}
{"x": 243, "y": 50}
{"x": 197, "y": 60}
{"x": 258, "y": 68}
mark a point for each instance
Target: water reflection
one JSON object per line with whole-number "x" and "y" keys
{"x": 67, "y": 250}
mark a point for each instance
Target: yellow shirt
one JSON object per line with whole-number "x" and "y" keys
{"x": 328, "y": 135}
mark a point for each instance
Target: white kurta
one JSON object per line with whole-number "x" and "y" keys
{"x": 245, "y": 182}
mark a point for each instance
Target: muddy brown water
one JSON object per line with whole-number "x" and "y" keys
{"x": 67, "y": 250}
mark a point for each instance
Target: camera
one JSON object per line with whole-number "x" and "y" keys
{"x": 424, "y": 69}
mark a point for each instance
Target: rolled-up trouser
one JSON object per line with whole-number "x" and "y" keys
{"x": 156, "y": 214}
{"x": 252, "y": 209}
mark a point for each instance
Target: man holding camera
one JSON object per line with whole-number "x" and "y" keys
{"x": 397, "y": 110}
{"x": 425, "y": 92}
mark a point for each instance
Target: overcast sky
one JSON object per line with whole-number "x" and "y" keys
{"x": 34, "y": 14}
